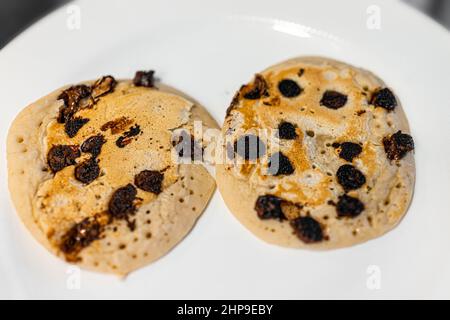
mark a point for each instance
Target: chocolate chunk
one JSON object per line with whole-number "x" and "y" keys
{"x": 73, "y": 125}
{"x": 116, "y": 125}
{"x": 349, "y": 206}
{"x": 87, "y": 171}
{"x": 186, "y": 147}
{"x": 307, "y": 229}
{"x": 398, "y": 145}
{"x": 289, "y": 88}
{"x": 103, "y": 86}
{"x": 122, "y": 202}
{"x": 149, "y": 180}
{"x": 93, "y": 145}
{"x": 79, "y": 236}
{"x": 349, "y": 150}
{"x": 349, "y": 177}
{"x": 71, "y": 97}
{"x": 333, "y": 99}
{"x": 269, "y": 207}
{"x": 257, "y": 90}
{"x": 61, "y": 156}
{"x": 250, "y": 147}
{"x": 127, "y": 137}
{"x": 144, "y": 79}
{"x": 279, "y": 164}
{"x": 286, "y": 130}
{"x": 384, "y": 98}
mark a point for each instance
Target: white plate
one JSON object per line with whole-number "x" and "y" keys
{"x": 208, "y": 49}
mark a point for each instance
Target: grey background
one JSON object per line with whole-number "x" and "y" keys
{"x": 17, "y": 15}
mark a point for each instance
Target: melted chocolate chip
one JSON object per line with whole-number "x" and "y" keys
{"x": 349, "y": 177}
{"x": 257, "y": 89}
{"x": 71, "y": 97}
{"x": 122, "y": 202}
{"x": 349, "y": 150}
{"x": 398, "y": 145}
{"x": 116, "y": 125}
{"x": 187, "y": 147}
{"x": 286, "y": 130}
{"x": 61, "y": 156}
{"x": 269, "y": 207}
{"x": 307, "y": 229}
{"x": 144, "y": 79}
{"x": 384, "y": 98}
{"x": 73, "y": 125}
{"x": 93, "y": 145}
{"x": 103, "y": 86}
{"x": 279, "y": 164}
{"x": 289, "y": 88}
{"x": 349, "y": 206}
{"x": 149, "y": 180}
{"x": 333, "y": 99}
{"x": 127, "y": 136}
{"x": 249, "y": 147}
{"x": 80, "y": 236}
{"x": 87, "y": 171}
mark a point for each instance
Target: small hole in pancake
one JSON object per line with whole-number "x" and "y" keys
{"x": 329, "y": 174}
{"x": 22, "y": 172}
{"x": 98, "y": 197}
{"x": 148, "y": 221}
{"x": 314, "y": 166}
{"x": 95, "y": 264}
{"x": 398, "y": 186}
{"x": 389, "y": 123}
{"x": 44, "y": 169}
{"x": 147, "y": 212}
{"x": 134, "y": 256}
{"x": 19, "y": 139}
{"x": 354, "y": 232}
{"x": 114, "y": 266}
{"x": 192, "y": 178}
{"x": 181, "y": 200}
{"x": 386, "y": 202}
{"x": 191, "y": 192}
{"x": 24, "y": 150}
{"x": 302, "y": 109}
{"x": 122, "y": 246}
{"x": 193, "y": 208}
{"x": 310, "y": 133}
{"x": 325, "y": 217}
{"x": 322, "y": 152}
{"x": 145, "y": 254}
{"x": 148, "y": 235}
{"x": 135, "y": 239}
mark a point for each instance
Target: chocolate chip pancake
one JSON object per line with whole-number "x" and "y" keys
{"x": 318, "y": 155}
{"x": 94, "y": 171}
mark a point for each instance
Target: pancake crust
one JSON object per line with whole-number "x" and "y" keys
{"x": 329, "y": 105}
{"x": 72, "y": 211}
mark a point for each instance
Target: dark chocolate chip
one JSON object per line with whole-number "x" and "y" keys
{"x": 186, "y": 147}
{"x": 73, "y": 125}
{"x": 87, "y": 171}
{"x": 286, "y": 130}
{"x": 250, "y": 147}
{"x": 349, "y": 150}
{"x": 269, "y": 207}
{"x": 279, "y": 164}
{"x": 256, "y": 90}
{"x": 116, "y": 125}
{"x": 103, "y": 86}
{"x": 149, "y": 180}
{"x": 349, "y": 177}
{"x": 93, "y": 145}
{"x": 348, "y": 206}
{"x": 80, "y": 235}
{"x": 307, "y": 229}
{"x": 71, "y": 97}
{"x": 144, "y": 79}
{"x": 398, "y": 145}
{"x": 384, "y": 98}
{"x": 61, "y": 156}
{"x": 289, "y": 88}
{"x": 122, "y": 202}
{"x": 127, "y": 136}
{"x": 333, "y": 99}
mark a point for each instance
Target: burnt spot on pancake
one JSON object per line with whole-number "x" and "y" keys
{"x": 249, "y": 147}
{"x": 348, "y": 150}
{"x": 121, "y": 203}
{"x": 289, "y": 88}
{"x": 279, "y": 164}
{"x": 257, "y": 89}
{"x": 80, "y": 236}
{"x": 87, "y": 171}
{"x": 301, "y": 72}
{"x": 333, "y": 99}
{"x": 307, "y": 229}
{"x": 269, "y": 207}
{"x": 398, "y": 145}
{"x": 116, "y": 125}
{"x": 128, "y": 136}
{"x": 186, "y": 146}
{"x": 348, "y": 206}
{"x": 350, "y": 178}
{"x": 286, "y": 130}
{"x": 61, "y": 156}
{"x": 384, "y": 98}
{"x": 144, "y": 79}
{"x": 149, "y": 180}
{"x": 103, "y": 86}
{"x": 93, "y": 145}
{"x": 72, "y": 97}
{"x": 73, "y": 124}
